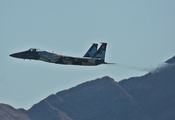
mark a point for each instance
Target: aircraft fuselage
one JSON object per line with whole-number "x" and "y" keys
{"x": 51, "y": 57}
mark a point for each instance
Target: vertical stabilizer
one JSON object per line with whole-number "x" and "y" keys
{"x": 92, "y": 50}
{"x": 100, "y": 53}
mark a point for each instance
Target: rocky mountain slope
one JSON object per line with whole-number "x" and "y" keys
{"x": 149, "y": 97}
{"x": 9, "y": 113}
{"x": 94, "y": 100}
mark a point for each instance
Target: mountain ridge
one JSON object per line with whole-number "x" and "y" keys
{"x": 7, "y": 112}
{"x": 151, "y": 96}
{"x": 61, "y": 99}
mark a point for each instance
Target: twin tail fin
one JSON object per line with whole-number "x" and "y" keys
{"x": 92, "y": 50}
{"x": 100, "y": 53}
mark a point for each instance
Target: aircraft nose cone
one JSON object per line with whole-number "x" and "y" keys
{"x": 16, "y": 55}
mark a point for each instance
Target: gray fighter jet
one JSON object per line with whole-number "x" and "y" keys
{"x": 92, "y": 57}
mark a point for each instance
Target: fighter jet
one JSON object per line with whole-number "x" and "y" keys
{"x": 93, "y": 57}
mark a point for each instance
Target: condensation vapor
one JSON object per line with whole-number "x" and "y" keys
{"x": 161, "y": 67}
{"x": 151, "y": 69}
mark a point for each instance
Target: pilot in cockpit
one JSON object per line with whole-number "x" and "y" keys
{"x": 33, "y": 50}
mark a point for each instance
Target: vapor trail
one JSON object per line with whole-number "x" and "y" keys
{"x": 151, "y": 69}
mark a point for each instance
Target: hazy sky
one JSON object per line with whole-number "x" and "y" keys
{"x": 140, "y": 35}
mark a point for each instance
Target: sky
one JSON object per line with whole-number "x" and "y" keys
{"x": 140, "y": 36}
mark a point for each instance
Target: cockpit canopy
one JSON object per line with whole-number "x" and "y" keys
{"x": 34, "y": 49}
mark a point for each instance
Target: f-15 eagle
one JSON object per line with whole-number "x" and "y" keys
{"x": 92, "y": 57}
